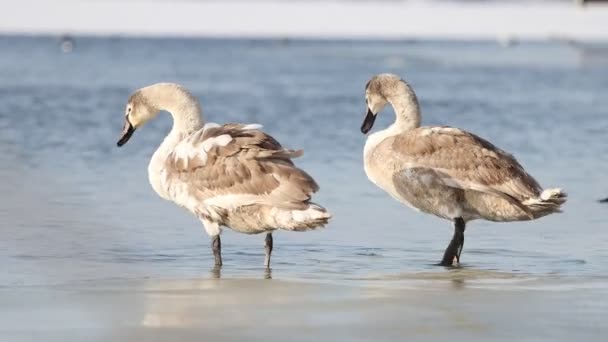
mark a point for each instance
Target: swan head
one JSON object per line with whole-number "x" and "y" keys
{"x": 378, "y": 92}
{"x": 145, "y": 104}
{"x": 138, "y": 111}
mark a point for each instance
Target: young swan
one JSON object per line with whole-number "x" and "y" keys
{"x": 445, "y": 171}
{"x": 233, "y": 175}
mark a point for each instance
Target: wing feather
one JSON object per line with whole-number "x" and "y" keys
{"x": 466, "y": 161}
{"x": 240, "y": 165}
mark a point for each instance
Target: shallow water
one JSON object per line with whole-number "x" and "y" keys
{"x": 77, "y": 210}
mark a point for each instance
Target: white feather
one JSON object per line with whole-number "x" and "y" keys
{"x": 209, "y": 125}
{"x": 252, "y": 126}
{"x": 221, "y": 140}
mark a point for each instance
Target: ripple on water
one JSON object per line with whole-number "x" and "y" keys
{"x": 89, "y": 205}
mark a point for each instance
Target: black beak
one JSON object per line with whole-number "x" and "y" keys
{"x": 127, "y": 132}
{"x": 368, "y": 122}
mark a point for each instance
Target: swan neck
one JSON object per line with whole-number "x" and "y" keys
{"x": 179, "y": 102}
{"x": 187, "y": 117}
{"x": 407, "y": 111}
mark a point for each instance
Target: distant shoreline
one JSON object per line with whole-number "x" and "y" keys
{"x": 309, "y": 20}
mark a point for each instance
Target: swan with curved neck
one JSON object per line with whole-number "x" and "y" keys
{"x": 145, "y": 104}
{"x": 231, "y": 175}
{"x": 445, "y": 171}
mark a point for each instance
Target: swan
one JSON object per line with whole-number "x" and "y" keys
{"x": 230, "y": 175}
{"x": 445, "y": 171}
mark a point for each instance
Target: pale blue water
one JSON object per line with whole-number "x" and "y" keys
{"x": 76, "y": 209}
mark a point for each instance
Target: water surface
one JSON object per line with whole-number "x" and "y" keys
{"x": 77, "y": 211}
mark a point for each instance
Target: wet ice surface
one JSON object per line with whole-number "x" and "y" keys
{"x": 459, "y": 305}
{"x": 88, "y": 249}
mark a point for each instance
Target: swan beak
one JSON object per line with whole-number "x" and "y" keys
{"x": 127, "y": 132}
{"x": 368, "y": 122}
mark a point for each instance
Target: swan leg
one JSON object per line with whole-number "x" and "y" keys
{"x": 451, "y": 257}
{"x": 268, "y": 249}
{"x": 216, "y": 246}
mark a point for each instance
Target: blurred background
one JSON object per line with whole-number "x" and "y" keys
{"x": 77, "y": 214}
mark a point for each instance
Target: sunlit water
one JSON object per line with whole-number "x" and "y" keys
{"x": 75, "y": 209}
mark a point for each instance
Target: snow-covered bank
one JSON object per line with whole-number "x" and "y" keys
{"x": 317, "y": 19}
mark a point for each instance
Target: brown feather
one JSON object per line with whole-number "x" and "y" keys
{"x": 252, "y": 163}
{"x": 467, "y": 158}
